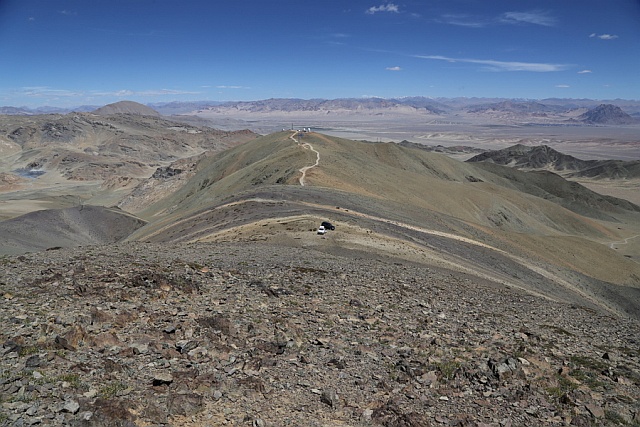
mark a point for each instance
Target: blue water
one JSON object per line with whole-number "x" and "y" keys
{"x": 29, "y": 173}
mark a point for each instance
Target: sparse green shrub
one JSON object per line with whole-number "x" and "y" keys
{"x": 588, "y": 362}
{"x": 112, "y": 389}
{"x": 564, "y": 386}
{"x": 587, "y": 377}
{"x": 28, "y": 350}
{"x": 72, "y": 379}
{"x": 587, "y": 370}
{"x": 614, "y": 417}
{"x": 448, "y": 369}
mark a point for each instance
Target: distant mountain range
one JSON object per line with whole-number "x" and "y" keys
{"x": 618, "y": 112}
{"x": 26, "y": 111}
{"x": 515, "y": 106}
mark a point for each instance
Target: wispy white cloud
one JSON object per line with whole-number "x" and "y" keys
{"x": 389, "y": 7}
{"x": 151, "y": 92}
{"x": 464, "y": 21}
{"x": 493, "y": 65}
{"x": 584, "y": 72}
{"x": 394, "y": 68}
{"x": 604, "y": 36}
{"x": 47, "y": 92}
{"x": 563, "y": 86}
{"x": 68, "y": 12}
{"x": 160, "y": 92}
{"x": 509, "y": 18}
{"x": 231, "y": 87}
{"x": 535, "y": 17}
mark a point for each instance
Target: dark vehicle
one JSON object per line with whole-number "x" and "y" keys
{"x": 328, "y": 225}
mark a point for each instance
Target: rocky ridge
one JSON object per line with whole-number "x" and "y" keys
{"x": 543, "y": 157}
{"x": 258, "y": 335}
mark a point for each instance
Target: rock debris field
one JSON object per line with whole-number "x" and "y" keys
{"x": 259, "y": 335}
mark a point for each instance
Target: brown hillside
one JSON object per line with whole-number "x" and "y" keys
{"x": 402, "y": 203}
{"x": 61, "y": 153}
{"x": 126, "y": 107}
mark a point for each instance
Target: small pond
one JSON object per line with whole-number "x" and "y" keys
{"x": 29, "y": 173}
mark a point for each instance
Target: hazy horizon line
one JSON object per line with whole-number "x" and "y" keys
{"x": 44, "y": 106}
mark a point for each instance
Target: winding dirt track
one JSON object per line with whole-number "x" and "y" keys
{"x": 307, "y": 146}
{"x": 623, "y": 242}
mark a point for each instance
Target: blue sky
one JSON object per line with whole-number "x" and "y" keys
{"x": 74, "y": 52}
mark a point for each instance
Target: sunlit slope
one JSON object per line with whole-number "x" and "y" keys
{"x": 494, "y": 221}
{"x": 424, "y": 183}
{"x": 272, "y": 159}
{"x": 436, "y": 183}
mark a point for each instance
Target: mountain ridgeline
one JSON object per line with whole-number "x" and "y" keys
{"x": 252, "y": 191}
{"x": 544, "y": 157}
{"x": 554, "y": 110}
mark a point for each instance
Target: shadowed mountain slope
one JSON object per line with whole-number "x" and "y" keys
{"x": 571, "y": 195}
{"x": 71, "y": 227}
{"x": 544, "y": 157}
{"x": 607, "y": 114}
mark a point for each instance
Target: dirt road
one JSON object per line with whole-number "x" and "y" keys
{"x": 307, "y": 146}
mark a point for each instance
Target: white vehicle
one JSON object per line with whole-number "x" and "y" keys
{"x": 322, "y": 230}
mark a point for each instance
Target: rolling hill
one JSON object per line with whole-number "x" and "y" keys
{"x": 126, "y": 107}
{"x": 522, "y": 229}
{"x": 516, "y": 227}
{"x": 84, "y": 156}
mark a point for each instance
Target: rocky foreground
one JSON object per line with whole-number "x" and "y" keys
{"x": 255, "y": 335}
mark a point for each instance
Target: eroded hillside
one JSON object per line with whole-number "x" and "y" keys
{"x": 54, "y": 161}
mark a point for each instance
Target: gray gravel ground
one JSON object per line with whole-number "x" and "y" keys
{"x": 253, "y": 334}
